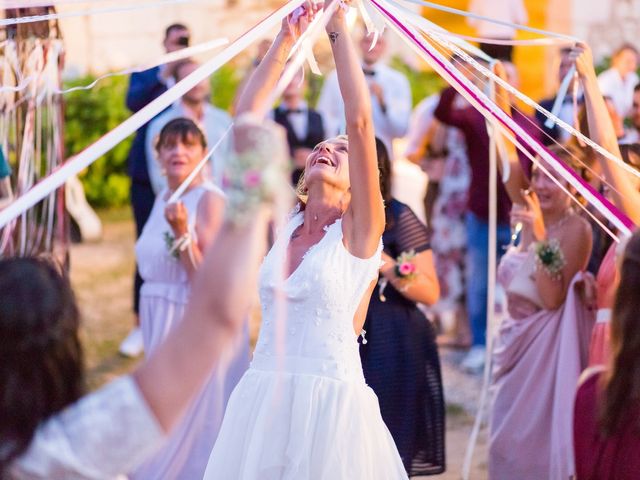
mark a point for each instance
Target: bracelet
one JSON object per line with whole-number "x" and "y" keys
{"x": 177, "y": 245}
{"x": 549, "y": 258}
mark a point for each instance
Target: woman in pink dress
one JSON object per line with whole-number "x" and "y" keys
{"x": 624, "y": 189}
{"x": 607, "y": 408}
{"x": 541, "y": 346}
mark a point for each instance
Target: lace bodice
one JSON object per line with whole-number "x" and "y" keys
{"x": 319, "y": 301}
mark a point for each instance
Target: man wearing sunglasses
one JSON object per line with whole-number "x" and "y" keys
{"x": 144, "y": 87}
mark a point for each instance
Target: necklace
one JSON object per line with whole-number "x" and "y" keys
{"x": 560, "y": 222}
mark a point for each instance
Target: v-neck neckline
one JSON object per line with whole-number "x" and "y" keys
{"x": 298, "y": 224}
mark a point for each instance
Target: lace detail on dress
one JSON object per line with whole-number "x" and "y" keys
{"x": 88, "y": 440}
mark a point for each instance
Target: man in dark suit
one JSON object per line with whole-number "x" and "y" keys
{"x": 303, "y": 125}
{"x": 144, "y": 87}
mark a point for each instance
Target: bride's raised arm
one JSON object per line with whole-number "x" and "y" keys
{"x": 364, "y": 219}
{"x": 266, "y": 75}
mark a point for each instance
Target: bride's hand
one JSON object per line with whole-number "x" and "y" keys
{"x": 296, "y": 23}
{"x": 339, "y": 16}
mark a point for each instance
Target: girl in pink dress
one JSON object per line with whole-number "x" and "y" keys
{"x": 541, "y": 346}
{"x": 624, "y": 190}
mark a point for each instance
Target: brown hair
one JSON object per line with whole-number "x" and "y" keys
{"x": 41, "y": 361}
{"x": 621, "y": 385}
{"x": 180, "y": 128}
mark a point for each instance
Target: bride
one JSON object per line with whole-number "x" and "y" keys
{"x": 303, "y": 410}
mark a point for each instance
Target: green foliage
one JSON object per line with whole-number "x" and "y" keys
{"x": 423, "y": 83}
{"x": 89, "y": 114}
{"x": 224, "y": 83}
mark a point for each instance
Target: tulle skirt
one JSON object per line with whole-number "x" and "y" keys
{"x": 303, "y": 425}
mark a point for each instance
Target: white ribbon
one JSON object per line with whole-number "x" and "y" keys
{"x": 562, "y": 93}
{"x": 528, "y": 101}
{"x": 43, "y": 3}
{"x": 82, "y": 160}
{"x": 374, "y": 22}
{"x": 300, "y": 53}
{"x": 426, "y": 25}
{"x": 163, "y": 60}
{"x": 492, "y": 112}
{"x": 56, "y": 16}
{"x": 516, "y": 26}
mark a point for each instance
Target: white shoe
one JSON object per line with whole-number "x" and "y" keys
{"x": 132, "y": 346}
{"x": 474, "y": 360}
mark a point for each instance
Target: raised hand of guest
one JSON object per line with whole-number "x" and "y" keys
{"x": 178, "y": 217}
{"x": 531, "y": 219}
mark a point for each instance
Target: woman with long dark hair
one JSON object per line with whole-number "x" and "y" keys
{"x": 606, "y": 425}
{"x": 398, "y": 351}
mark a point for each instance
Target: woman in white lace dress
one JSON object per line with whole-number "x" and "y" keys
{"x": 303, "y": 410}
{"x": 46, "y": 430}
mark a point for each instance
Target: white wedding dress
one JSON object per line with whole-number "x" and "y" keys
{"x": 303, "y": 409}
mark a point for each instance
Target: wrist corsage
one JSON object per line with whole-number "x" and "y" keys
{"x": 176, "y": 245}
{"x": 257, "y": 173}
{"x": 550, "y": 258}
{"x": 405, "y": 266}
{"x": 405, "y": 270}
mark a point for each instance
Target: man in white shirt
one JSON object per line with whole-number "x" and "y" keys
{"x": 618, "y": 82}
{"x": 512, "y": 11}
{"x": 212, "y": 121}
{"x": 390, "y": 96}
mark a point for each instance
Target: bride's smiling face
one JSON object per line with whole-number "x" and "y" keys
{"x": 329, "y": 163}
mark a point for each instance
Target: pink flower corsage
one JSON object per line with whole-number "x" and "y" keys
{"x": 405, "y": 266}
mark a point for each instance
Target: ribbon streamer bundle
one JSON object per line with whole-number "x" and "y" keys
{"x": 31, "y": 137}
